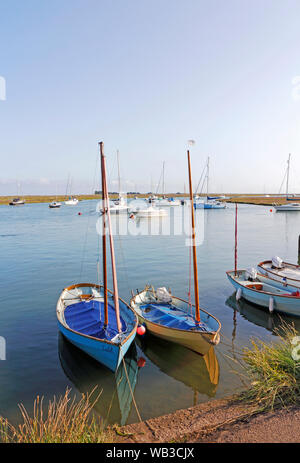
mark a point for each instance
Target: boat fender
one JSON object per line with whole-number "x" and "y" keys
{"x": 271, "y": 305}
{"x": 141, "y": 330}
{"x": 238, "y": 294}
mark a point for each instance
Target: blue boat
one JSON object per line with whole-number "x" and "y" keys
{"x": 90, "y": 316}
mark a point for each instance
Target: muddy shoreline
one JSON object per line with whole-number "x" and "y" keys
{"x": 219, "y": 421}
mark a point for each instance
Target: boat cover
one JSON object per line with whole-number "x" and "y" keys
{"x": 87, "y": 317}
{"x": 171, "y": 317}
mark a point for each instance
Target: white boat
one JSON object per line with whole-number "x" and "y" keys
{"x": 281, "y": 271}
{"x": 151, "y": 211}
{"x": 119, "y": 206}
{"x": 174, "y": 319}
{"x": 211, "y": 202}
{"x": 287, "y": 207}
{"x": 265, "y": 292}
{"x": 169, "y": 202}
{"x": 72, "y": 201}
{"x": 54, "y": 205}
{"x": 91, "y": 317}
{"x": 17, "y": 202}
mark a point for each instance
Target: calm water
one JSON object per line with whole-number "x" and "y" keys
{"x": 43, "y": 250}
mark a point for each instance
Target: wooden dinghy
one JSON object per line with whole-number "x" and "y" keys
{"x": 281, "y": 271}
{"x": 90, "y": 316}
{"x": 174, "y": 319}
{"x": 266, "y": 292}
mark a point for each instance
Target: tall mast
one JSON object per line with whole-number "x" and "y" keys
{"x": 288, "y": 175}
{"x": 111, "y": 241}
{"x": 196, "y": 287}
{"x": 104, "y": 231}
{"x": 235, "y": 240}
{"x": 119, "y": 176}
{"x": 163, "y": 179}
{"x": 207, "y": 175}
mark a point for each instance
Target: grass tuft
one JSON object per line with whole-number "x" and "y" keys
{"x": 64, "y": 420}
{"x": 274, "y": 374}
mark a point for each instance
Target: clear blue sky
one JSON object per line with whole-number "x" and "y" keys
{"x": 145, "y": 76}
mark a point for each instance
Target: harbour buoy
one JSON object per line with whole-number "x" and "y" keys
{"x": 271, "y": 210}
{"x": 141, "y": 362}
{"x": 238, "y": 294}
{"x": 141, "y": 330}
{"x": 79, "y": 213}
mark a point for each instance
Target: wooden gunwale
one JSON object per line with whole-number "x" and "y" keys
{"x": 274, "y": 273}
{"x": 263, "y": 292}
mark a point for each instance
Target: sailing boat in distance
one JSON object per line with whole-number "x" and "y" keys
{"x": 90, "y": 316}
{"x": 174, "y": 319}
{"x": 291, "y": 206}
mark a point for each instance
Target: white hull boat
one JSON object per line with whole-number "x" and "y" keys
{"x": 151, "y": 212}
{"x": 266, "y": 292}
{"x": 54, "y": 205}
{"x": 71, "y": 202}
{"x": 285, "y": 272}
{"x": 287, "y": 207}
{"x": 120, "y": 206}
{"x": 168, "y": 202}
{"x": 17, "y": 202}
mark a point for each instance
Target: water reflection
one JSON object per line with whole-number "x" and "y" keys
{"x": 85, "y": 373}
{"x": 200, "y": 373}
{"x": 260, "y": 316}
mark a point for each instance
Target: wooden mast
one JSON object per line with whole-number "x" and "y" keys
{"x": 112, "y": 251}
{"x": 196, "y": 287}
{"x": 104, "y": 211}
{"x": 235, "y": 240}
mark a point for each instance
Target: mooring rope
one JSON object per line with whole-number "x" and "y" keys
{"x": 131, "y": 392}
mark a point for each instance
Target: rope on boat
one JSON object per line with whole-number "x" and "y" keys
{"x": 131, "y": 392}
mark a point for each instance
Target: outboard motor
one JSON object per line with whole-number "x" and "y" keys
{"x": 277, "y": 262}
{"x": 251, "y": 274}
{"x": 163, "y": 295}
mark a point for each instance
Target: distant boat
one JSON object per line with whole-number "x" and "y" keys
{"x": 54, "y": 205}
{"x": 287, "y": 207}
{"x": 168, "y": 202}
{"x": 174, "y": 319}
{"x": 151, "y": 211}
{"x": 292, "y": 206}
{"x": 211, "y": 202}
{"x": 266, "y": 292}
{"x": 120, "y": 205}
{"x": 281, "y": 271}
{"x": 90, "y": 316}
{"x": 72, "y": 201}
{"x": 17, "y": 202}
{"x": 115, "y": 402}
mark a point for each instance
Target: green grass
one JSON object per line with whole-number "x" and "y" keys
{"x": 274, "y": 374}
{"x": 63, "y": 420}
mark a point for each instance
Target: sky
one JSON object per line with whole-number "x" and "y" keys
{"x": 145, "y": 76}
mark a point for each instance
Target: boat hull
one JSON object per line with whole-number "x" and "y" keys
{"x": 285, "y": 304}
{"x": 264, "y": 267}
{"x": 108, "y": 352}
{"x": 196, "y": 341}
